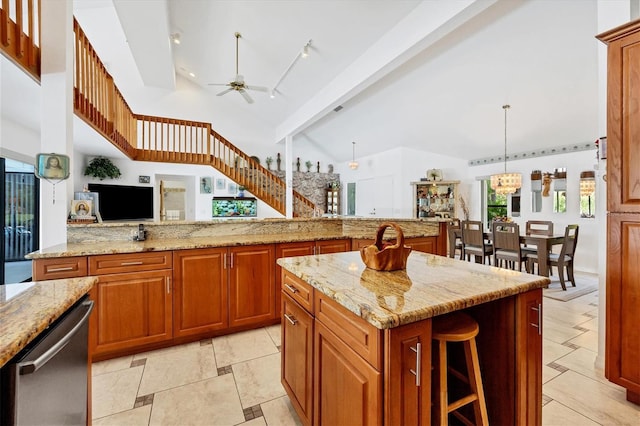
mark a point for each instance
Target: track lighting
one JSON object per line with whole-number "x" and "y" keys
{"x": 175, "y": 38}
{"x": 272, "y": 94}
{"x": 305, "y": 50}
{"x": 303, "y": 53}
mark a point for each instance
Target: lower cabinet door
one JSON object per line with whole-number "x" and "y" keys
{"x": 297, "y": 357}
{"x": 407, "y": 383}
{"x": 529, "y": 358}
{"x": 200, "y": 291}
{"x": 347, "y": 389}
{"x": 252, "y": 285}
{"x": 132, "y": 310}
{"x": 423, "y": 244}
{"x": 332, "y": 246}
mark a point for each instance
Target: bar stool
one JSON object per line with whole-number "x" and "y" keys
{"x": 457, "y": 327}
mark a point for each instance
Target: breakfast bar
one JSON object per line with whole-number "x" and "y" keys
{"x": 369, "y": 333}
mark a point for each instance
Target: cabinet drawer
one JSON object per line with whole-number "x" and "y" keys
{"x": 358, "y": 334}
{"x": 118, "y": 263}
{"x": 59, "y": 267}
{"x": 299, "y": 291}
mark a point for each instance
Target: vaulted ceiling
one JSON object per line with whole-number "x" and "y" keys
{"x": 429, "y": 75}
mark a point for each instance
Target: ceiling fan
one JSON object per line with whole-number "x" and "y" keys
{"x": 238, "y": 83}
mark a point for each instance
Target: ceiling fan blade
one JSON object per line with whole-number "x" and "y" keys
{"x": 217, "y": 84}
{"x": 258, "y": 88}
{"x": 246, "y": 96}
{"x": 224, "y": 91}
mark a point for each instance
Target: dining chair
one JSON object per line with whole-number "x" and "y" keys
{"x": 564, "y": 259}
{"x": 455, "y": 242}
{"x": 506, "y": 246}
{"x": 474, "y": 243}
{"x": 536, "y": 227}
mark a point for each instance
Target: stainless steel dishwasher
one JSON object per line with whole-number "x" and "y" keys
{"x": 46, "y": 383}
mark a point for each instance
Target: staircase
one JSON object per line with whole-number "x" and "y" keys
{"x": 98, "y": 102}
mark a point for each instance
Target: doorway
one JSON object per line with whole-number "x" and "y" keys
{"x": 20, "y": 204}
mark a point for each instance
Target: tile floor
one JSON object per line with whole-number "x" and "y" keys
{"x": 235, "y": 380}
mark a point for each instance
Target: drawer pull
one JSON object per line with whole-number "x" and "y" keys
{"x": 416, "y": 372}
{"x": 539, "y": 324}
{"x": 291, "y": 319}
{"x": 130, "y": 263}
{"x": 291, "y": 288}
{"x": 224, "y": 261}
{"x": 168, "y": 284}
{"x": 64, "y": 268}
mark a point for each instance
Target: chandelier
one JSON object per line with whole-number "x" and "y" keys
{"x": 353, "y": 164}
{"x": 506, "y": 183}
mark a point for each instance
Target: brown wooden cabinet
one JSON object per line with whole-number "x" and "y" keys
{"x": 347, "y": 389}
{"x": 252, "y": 285}
{"x": 59, "y": 267}
{"x": 132, "y": 309}
{"x": 385, "y": 375}
{"x": 297, "y": 357}
{"x": 623, "y": 202}
{"x": 200, "y": 296}
{"x": 332, "y": 246}
{"x": 422, "y": 244}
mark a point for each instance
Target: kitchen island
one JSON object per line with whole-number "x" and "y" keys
{"x": 356, "y": 343}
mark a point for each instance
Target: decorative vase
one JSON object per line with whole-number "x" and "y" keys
{"x": 278, "y": 161}
{"x": 298, "y": 164}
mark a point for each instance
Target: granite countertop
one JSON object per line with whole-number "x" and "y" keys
{"x": 430, "y": 286}
{"x": 114, "y": 247}
{"x": 26, "y": 309}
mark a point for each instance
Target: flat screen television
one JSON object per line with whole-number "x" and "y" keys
{"x": 120, "y": 202}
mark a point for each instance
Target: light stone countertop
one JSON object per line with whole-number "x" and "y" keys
{"x": 430, "y": 286}
{"x": 26, "y": 309}
{"x": 115, "y": 247}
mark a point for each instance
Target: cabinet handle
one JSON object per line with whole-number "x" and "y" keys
{"x": 315, "y": 249}
{"x": 416, "y": 372}
{"x": 291, "y": 319}
{"x": 168, "y": 284}
{"x": 130, "y": 263}
{"x": 291, "y": 288}
{"x": 539, "y": 324}
{"x": 231, "y": 260}
{"x": 224, "y": 261}
{"x": 65, "y": 268}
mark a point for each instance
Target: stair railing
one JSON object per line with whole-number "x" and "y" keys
{"x": 98, "y": 102}
{"x": 20, "y": 34}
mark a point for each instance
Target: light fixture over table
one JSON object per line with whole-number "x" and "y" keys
{"x": 353, "y": 164}
{"x": 506, "y": 183}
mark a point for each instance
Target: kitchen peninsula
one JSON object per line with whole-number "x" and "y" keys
{"x": 369, "y": 334}
{"x": 194, "y": 280}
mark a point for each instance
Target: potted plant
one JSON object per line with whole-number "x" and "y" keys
{"x": 101, "y": 168}
{"x": 241, "y": 191}
{"x": 269, "y": 160}
{"x": 308, "y": 164}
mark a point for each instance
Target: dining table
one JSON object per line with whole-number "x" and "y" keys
{"x": 543, "y": 243}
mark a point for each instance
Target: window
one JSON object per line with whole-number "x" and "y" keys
{"x": 493, "y": 204}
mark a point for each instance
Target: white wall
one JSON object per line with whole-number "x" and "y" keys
{"x": 18, "y": 142}
{"x": 198, "y": 205}
{"x": 587, "y": 256}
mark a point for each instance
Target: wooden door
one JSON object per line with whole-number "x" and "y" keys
{"x": 333, "y": 246}
{"x": 623, "y": 299}
{"x": 297, "y": 357}
{"x": 252, "y": 288}
{"x": 623, "y": 120}
{"x": 407, "y": 376}
{"x": 200, "y": 297}
{"x": 528, "y": 352}
{"x": 132, "y": 310}
{"x": 347, "y": 389}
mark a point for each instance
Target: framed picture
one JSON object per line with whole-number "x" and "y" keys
{"x": 52, "y": 166}
{"x": 220, "y": 184}
{"x": 205, "y": 185}
{"x": 232, "y": 188}
{"x": 81, "y": 209}
{"x": 89, "y": 196}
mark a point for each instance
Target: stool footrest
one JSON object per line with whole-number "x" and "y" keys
{"x": 462, "y": 402}
{"x": 458, "y": 375}
{"x": 463, "y": 419}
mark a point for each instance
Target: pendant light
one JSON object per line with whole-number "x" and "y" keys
{"x": 353, "y": 164}
{"x": 506, "y": 183}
